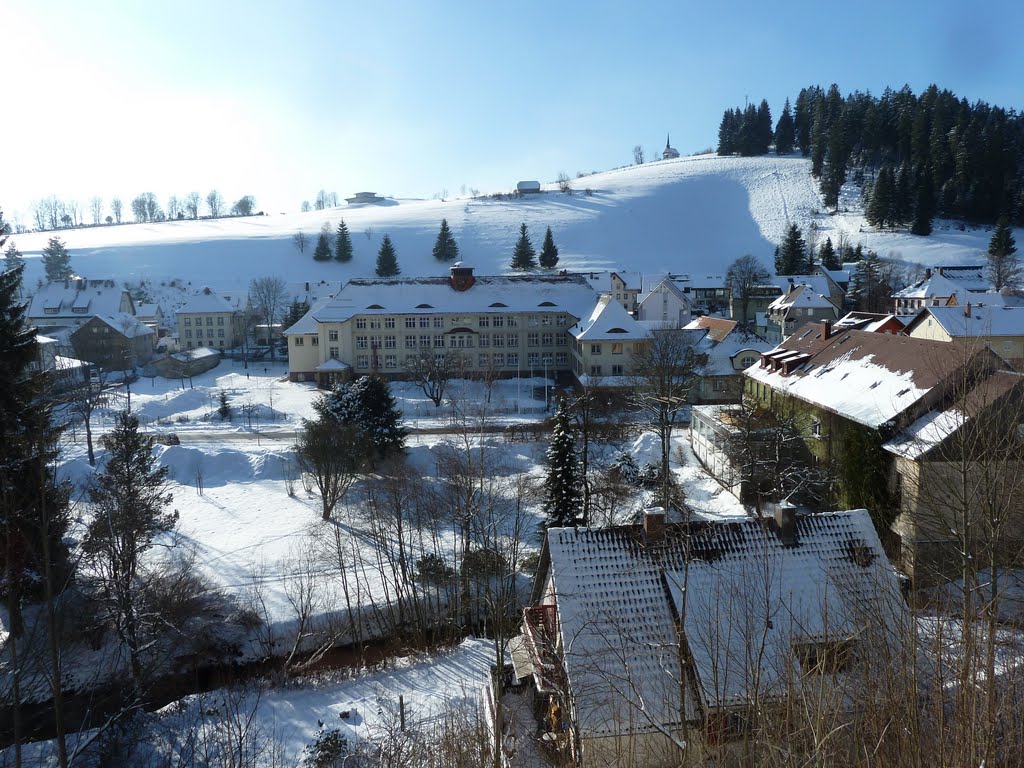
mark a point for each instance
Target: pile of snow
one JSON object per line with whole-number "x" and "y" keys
{"x": 221, "y": 466}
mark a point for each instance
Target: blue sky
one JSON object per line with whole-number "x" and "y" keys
{"x": 281, "y": 99}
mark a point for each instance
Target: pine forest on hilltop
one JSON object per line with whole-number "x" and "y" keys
{"x": 915, "y": 157}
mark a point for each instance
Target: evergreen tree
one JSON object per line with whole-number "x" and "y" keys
{"x": 785, "y": 131}
{"x": 129, "y": 499}
{"x": 879, "y": 211}
{"x": 549, "y": 251}
{"x": 224, "y": 406}
{"x": 924, "y": 206}
{"x": 296, "y": 311}
{"x": 343, "y": 243}
{"x": 903, "y": 196}
{"x": 387, "y": 260}
{"x": 56, "y": 260}
{"x": 868, "y": 289}
{"x": 834, "y": 172}
{"x": 764, "y": 128}
{"x": 368, "y": 409}
{"x": 1004, "y": 269}
{"x": 445, "y": 247}
{"x": 323, "y": 248}
{"x": 728, "y": 133}
{"x": 828, "y": 256}
{"x": 791, "y": 258}
{"x": 562, "y": 496}
{"x": 523, "y": 255}
{"x": 14, "y": 260}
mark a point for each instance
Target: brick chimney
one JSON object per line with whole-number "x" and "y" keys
{"x": 785, "y": 522}
{"x": 967, "y": 309}
{"x": 654, "y": 523}
{"x": 826, "y": 330}
{"x": 461, "y": 278}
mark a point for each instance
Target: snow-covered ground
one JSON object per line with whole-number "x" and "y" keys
{"x": 288, "y": 716}
{"x": 691, "y": 215}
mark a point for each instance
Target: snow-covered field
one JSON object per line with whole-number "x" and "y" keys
{"x": 691, "y": 215}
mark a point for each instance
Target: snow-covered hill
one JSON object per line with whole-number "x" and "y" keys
{"x": 692, "y": 215}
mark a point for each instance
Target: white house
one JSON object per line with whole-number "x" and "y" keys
{"x": 70, "y": 303}
{"x": 666, "y": 304}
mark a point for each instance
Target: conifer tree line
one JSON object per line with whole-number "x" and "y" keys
{"x": 915, "y": 156}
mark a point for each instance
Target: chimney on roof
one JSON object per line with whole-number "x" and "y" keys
{"x": 826, "y": 329}
{"x": 654, "y": 523}
{"x": 785, "y": 522}
{"x": 928, "y": 273}
{"x": 461, "y": 278}
{"x": 967, "y": 309}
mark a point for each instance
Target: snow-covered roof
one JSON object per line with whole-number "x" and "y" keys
{"x": 602, "y": 281}
{"x": 127, "y": 325}
{"x": 62, "y": 363}
{"x": 803, "y": 296}
{"x": 147, "y": 310}
{"x": 725, "y": 340}
{"x": 870, "y": 378}
{"x": 669, "y": 284}
{"x": 819, "y": 283}
{"x": 619, "y": 594}
{"x": 873, "y": 322}
{"x": 195, "y": 354}
{"x": 981, "y": 321}
{"x": 924, "y": 434}
{"x": 208, "y": 300}
{"x": 435, "y": 295}
{"x": 306, "y": 325}
{"x": 79, "y": 298}
{"x": 333, "y": 364}
{"x": 947, "y": 281}
{"x": 609, "y": 320}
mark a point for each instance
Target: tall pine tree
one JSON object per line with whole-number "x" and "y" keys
{"x": 523, "y": 255}
{"x": 828, "y": 256}
{"x": 791, "y": 257}
{"x": 785, "y": 131}
{"x": 387, "y": 260}
{"x": 343, "y": 243}
{"x": 562, "y": 483}
{"x": 323, "y": 248}
{"x": 549, "y": 251}
{"x": 879, "y": 210}
{"x": 924, "y": 205}
{"x": 445, "y": 247}
{"x": 56, "y": 260}
{"x": 1004, "y": 269}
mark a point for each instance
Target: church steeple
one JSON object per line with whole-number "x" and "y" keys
{"x": 668, "y": 142}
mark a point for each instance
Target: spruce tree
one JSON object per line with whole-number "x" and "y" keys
{"x": 1004, "y": 269}
{"x": 549, "y": 251}
{"x": 523, "y": 255}
{"x": 323, "y": 248}
{"x": 924, "y": 206}
{"x": 445, "y": 247}
{"x": 828, "y": 256}
{"x": 387, "y": 260}
{"x": 879, "y": 211}
{"x": 791, "y": 258}
{"x": 562, "y": 483}
{"x": 296, "y": 310}
{"x": 129, "y": 500}
{"x": 13, "y": 260}
{"x": 764, "y": 128}
{"x": 56, "y": 260}
{"x": 785, "y": 131}
{"x": 343, "y": 243}
{"x": 368, "y": 408}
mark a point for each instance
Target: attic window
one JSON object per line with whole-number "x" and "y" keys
{"x": 902, "y": 392}
{"x": 375, "y": 306}
{"x": 617, "y": 330}
{"x": 826, "y": 657}
{"x": 424, "y": 306}
{"x": 498, "y": 304}
{"x": 546, "y": 304}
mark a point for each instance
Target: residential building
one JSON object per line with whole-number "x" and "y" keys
{"x": 70, "y": 303}
{"x": 624, "y": 287}
{"x": 1000, "y": 328}
{"x": 114, "y": 342}
{"x": 211, "y": 319}
{"x": 604, "y": 343}
{"x": 510, "y": 325}
{"x": 528, "y": 187}
{"x": 945, "y": 287}
{"x": 725, "y": 351}
{"x": 856, "y": 390}
{"x": 708, "y": 293}
{"x": 641, "y": 639}
{"x": 665, "y": 304}
{"x": 801, "y": 304}
{"x": 366, "y": 198}
{"x": 153, "y": 316}
{"x": 821, "y": 281}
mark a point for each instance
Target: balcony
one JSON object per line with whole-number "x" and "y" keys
{"x": 540, "y": 628}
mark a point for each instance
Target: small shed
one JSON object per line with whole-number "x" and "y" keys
{"x": 528, "y": 187}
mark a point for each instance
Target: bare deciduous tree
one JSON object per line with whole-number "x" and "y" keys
{"x": 433, "y": 369}
{"x": 192, "y": 205}
{"x": 638, "y": 155}
{"x": 96, "y": 209}
{"x": 116, "y": 207}
{"x": 301, "y": 241}
{"x": 743, "y": 275}
{"x": 268, "y": 296}
{"x": 215, "y": 203}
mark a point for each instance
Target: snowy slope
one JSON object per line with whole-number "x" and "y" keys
{"x": 692, "y": 215}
